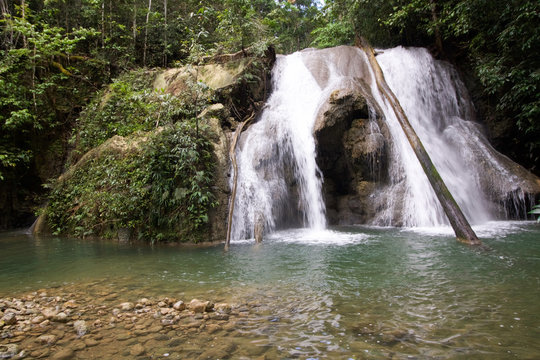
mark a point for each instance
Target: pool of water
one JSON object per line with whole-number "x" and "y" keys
{"x": 347, "y": 292}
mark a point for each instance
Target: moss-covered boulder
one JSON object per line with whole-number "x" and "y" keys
{"x": 150, "y": 158}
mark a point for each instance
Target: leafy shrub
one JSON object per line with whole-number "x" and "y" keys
{"x": 160, "y": 188}
{"x": 128, "y": 105}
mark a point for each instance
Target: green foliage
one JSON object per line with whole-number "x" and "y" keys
{"x": 536, "y": 211}
{"x": 131, "y": 104}
{"x": 180, "y": 179}
{"x": 496, "y": 39}
{"x": 159, "y": 187}
{"x": 333, "y": 34}
{"x": 42, "y": 81}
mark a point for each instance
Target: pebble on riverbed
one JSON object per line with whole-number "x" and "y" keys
{"x": 63, "y": 327}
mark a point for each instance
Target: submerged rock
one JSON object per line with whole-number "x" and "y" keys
{"x": 199, "y": 306}
{"x": 80, "y": 327}
{"x": 9, "y": 318}
{"x": 8, "y": 351}
{"x": 137, "y": 350}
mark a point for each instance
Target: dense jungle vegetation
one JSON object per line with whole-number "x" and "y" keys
{"x": 57, "y": 55}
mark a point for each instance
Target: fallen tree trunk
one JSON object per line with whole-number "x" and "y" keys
{"x": 232, "y": 155}
{"x": 462, "y": 228}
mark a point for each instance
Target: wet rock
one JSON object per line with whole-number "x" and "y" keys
{"x": 223, "y": 351}
{"x": 123, "y": 337}
{"x": 9, "y": 318}
{"x": 80, "y": 327}
{"x": 49, "y": 313}
{"x": 40, "y": 353}
{"x": 60, "y": 317}
{"x": 174, "y": 343}
{"x": 145, "y": 302}
{"x": 137, "y": 350}
{"x": 47, "y": 339}
{"x": 212, "y": 328}
{"x": 70, "y": 304}
{"x": 199, "y": 306}
{"x": 223, "y": 308}
{"x": 90, "y": 342}
{"x": 64, "y": 354}
{"x": 179, "y": 306}
{"x": 155, "y": 328}
{"x": 8, "y": 351}
{"x": 218, "y": 316}
{"x": 78, "y": 345}
{"x": 165, "y": 310}
{"x": 398, "y": 335}
{"x": 127, "y": 306}
{"x": 161, "y": 337}
{"x": 168, "y": 322}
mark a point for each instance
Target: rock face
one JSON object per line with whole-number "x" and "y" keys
{"x": 352, "y": 151}
{"x": 237, "y": 87}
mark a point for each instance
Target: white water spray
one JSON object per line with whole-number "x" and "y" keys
{"x": 279, "y": 152}
{"x": 279, "y": 182}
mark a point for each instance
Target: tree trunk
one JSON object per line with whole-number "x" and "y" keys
{"x": 134, "y": 29}
{"x": 462, "y": 228}
{"x": 8, "y": 39}
{"x": 165, "y": 33}
{"x": 435, "y": 19}
{"x": 146, "y": 31}
{"x": 103, "y": 24}
{"x": 23, "y": 14}
{"x": 232, "y": 155}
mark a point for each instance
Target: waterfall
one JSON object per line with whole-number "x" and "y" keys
{"x": 278, "y": 153}
{"x": 280, "y": 184}
{"x": 434, "y": 100}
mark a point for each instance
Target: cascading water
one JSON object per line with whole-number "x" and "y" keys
{"x": 279, "y": 182}
{"x": 280, "y": 147}
{"x": 433, "y": 99}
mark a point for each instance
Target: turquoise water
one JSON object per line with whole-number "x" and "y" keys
{"x": 349, "y": 292}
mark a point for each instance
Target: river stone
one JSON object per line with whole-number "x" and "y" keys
{"x": 64, "y": 354}
{"x": 137, "y": 350}
{"x": 47, "y": 339}
{"x": 49, "y": 313}
{"x": 70, "y": 304}
{"x": 179, "y": 305}
{"x": 123, "y": 336}
{"x": 223, "y": 308}
{"x": 8, "y": 351}
{"x": 80, "y": 327}
{"x": 212, "y": 328}
{"x": 222, "y": 351}
{"x": 165, "y": 310}
{"x": 155, "y": 328}
{"x": 199, "y": 306}
{"x": 78, "y": 345}
{"x": 145, "y": 302}
{"x": 90, "y": 342}
{"x": 127, "y": 306}
{"x": 9, "y": 318}
{"x": 60, "y": 317}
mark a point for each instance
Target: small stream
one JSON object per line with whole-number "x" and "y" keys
{"x": 347, "y": 292}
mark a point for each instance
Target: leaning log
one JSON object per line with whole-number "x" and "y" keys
{"x": 232, "y": 155}
{"x": 462, "y": 228}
